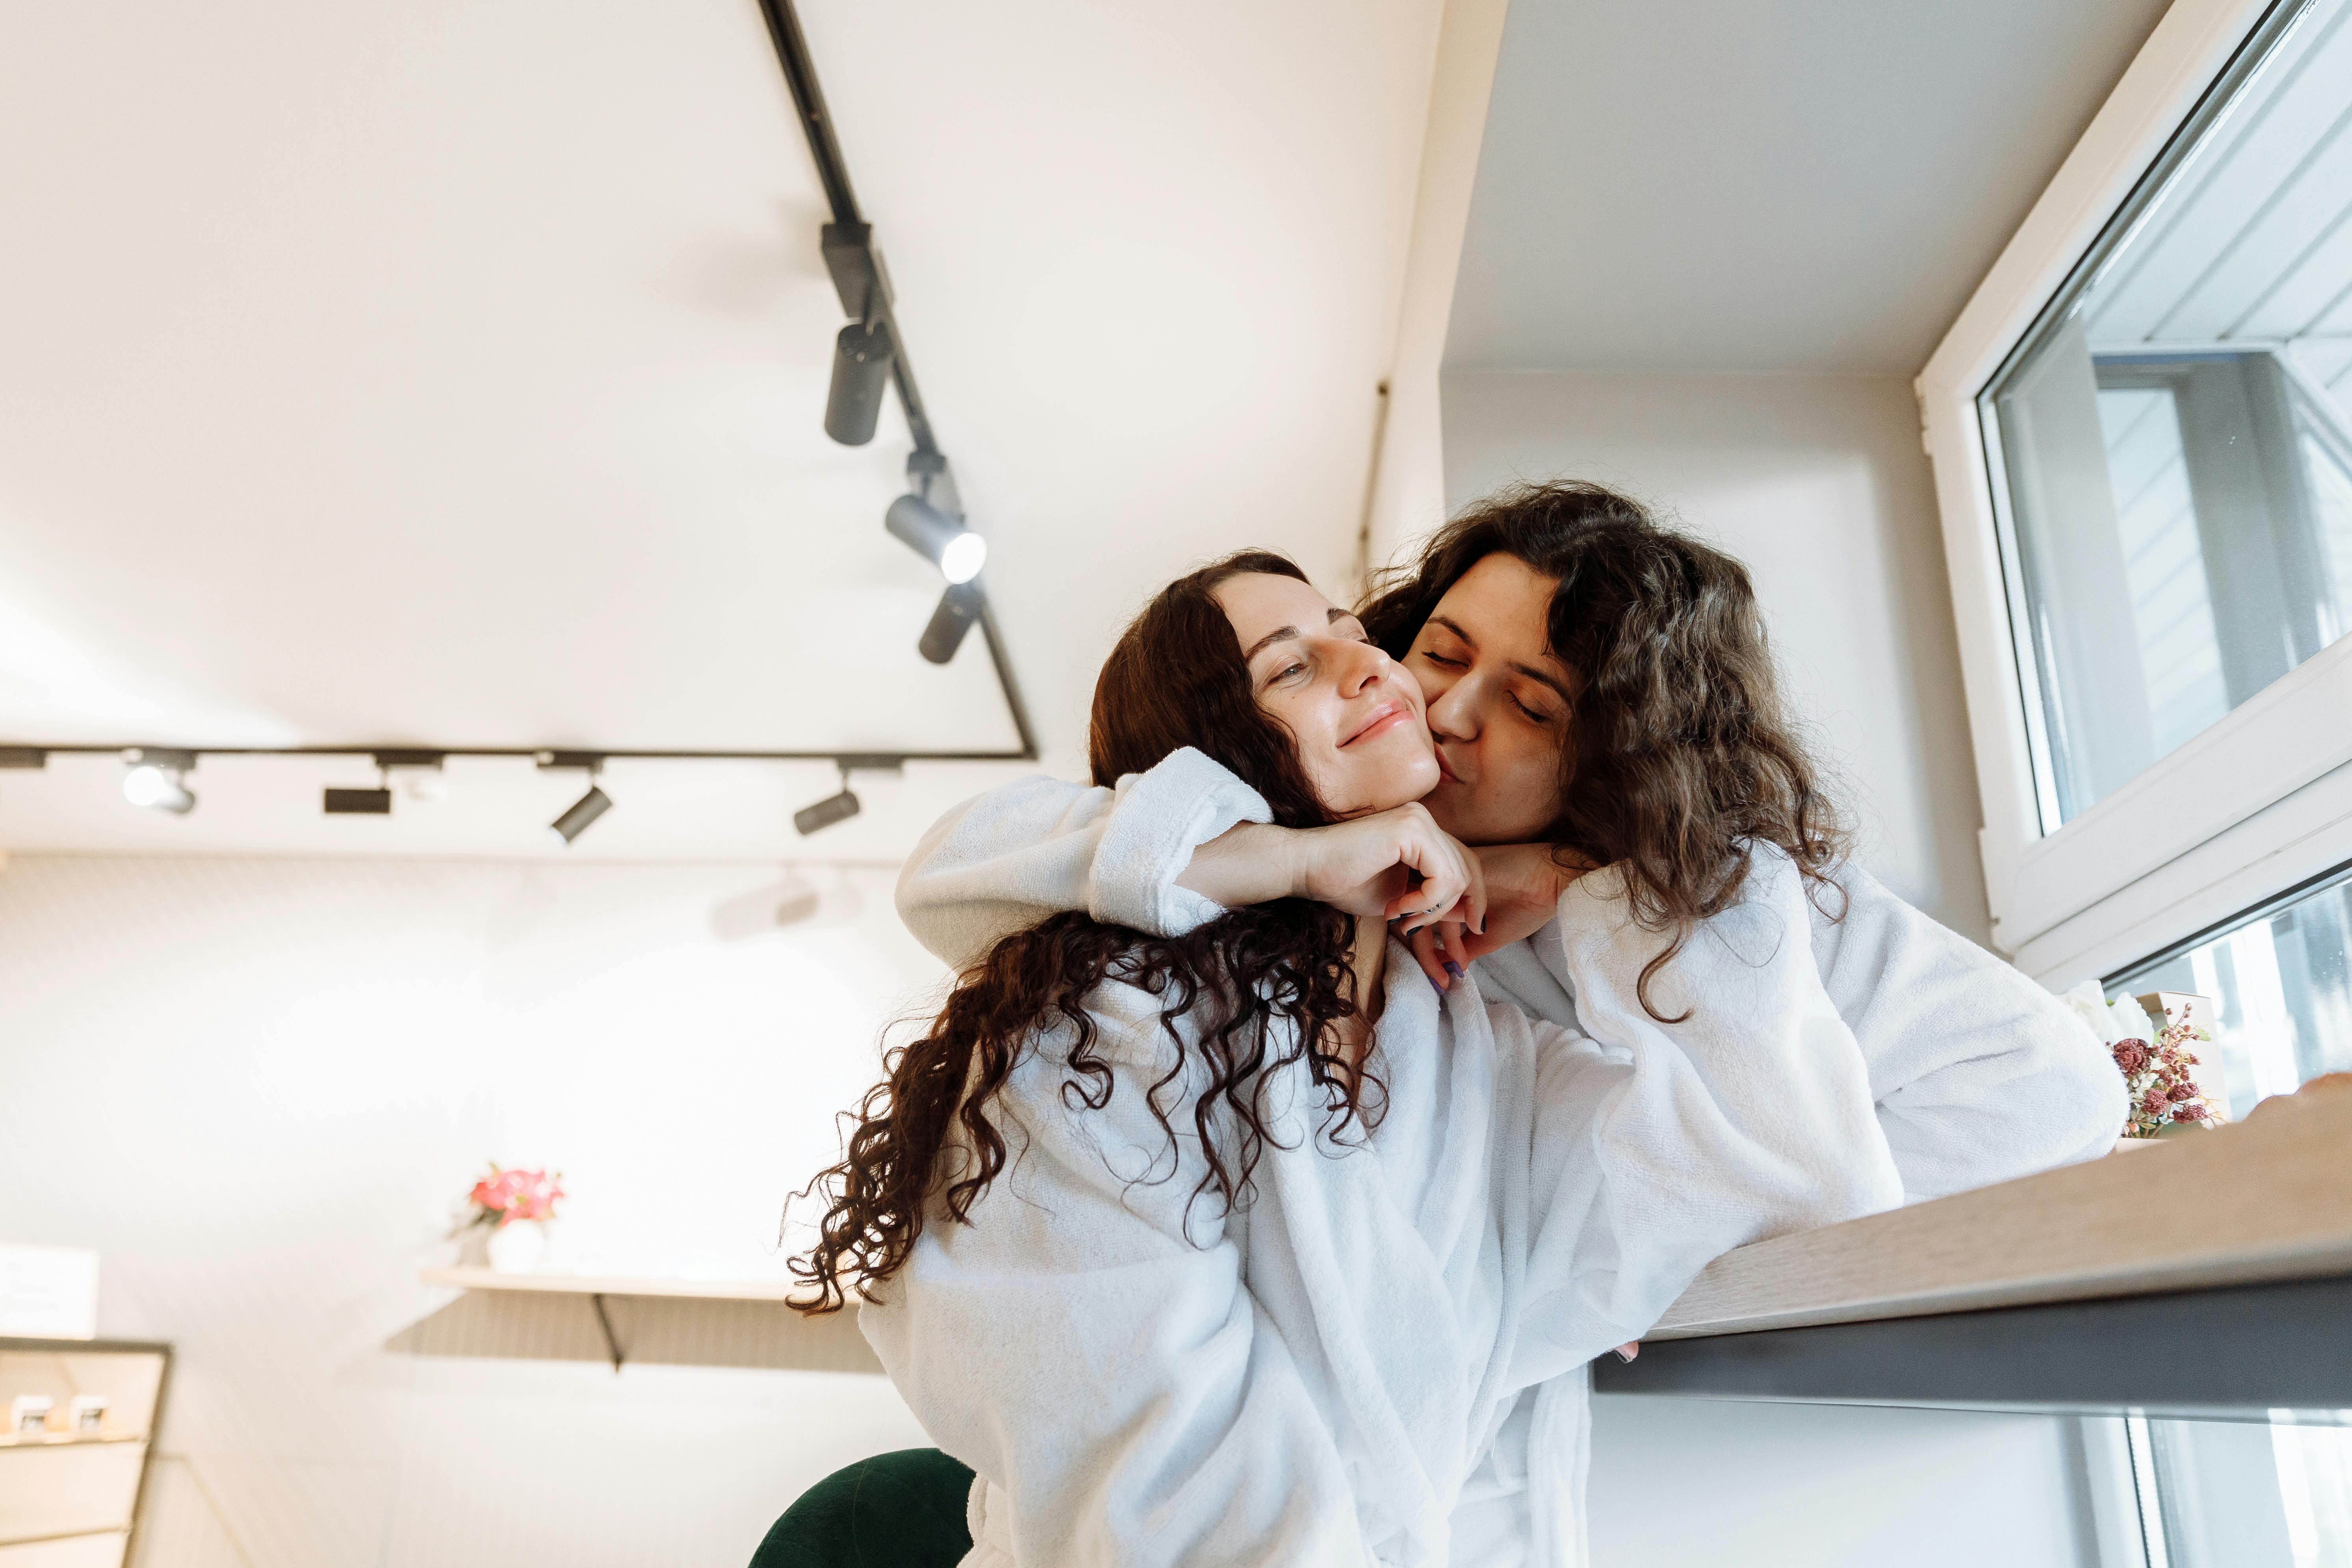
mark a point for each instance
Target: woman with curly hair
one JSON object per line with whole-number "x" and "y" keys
{"x": 1242, "y": 1243}
{"x": 1600, "y": 692}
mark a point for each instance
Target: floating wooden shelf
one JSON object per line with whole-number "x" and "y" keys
{"x": 707, "y": 1322}
{"x": 476, "y": 1279}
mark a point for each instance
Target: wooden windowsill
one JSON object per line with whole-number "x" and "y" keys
{"x": 2264, "y": 1201}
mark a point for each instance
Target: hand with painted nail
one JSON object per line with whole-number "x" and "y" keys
{"x": 1396, "y": 864}
{"x": 1523, "y": 884}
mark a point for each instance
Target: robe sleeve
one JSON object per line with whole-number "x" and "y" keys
{"x": 1110, "y": 1372}
{"x": 1659, "y": 1146}
{"x": 1004, "y": 860}
{"x": 1982, "y": 1075}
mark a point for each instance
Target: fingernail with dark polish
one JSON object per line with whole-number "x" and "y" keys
{"x": 1454, "y": 969}
{"x": 1434, "y": 985}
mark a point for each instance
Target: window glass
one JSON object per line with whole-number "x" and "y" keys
{"x": 2281, "y": 983}
{"x": 2173, "y": 447}
{"x": 2245, "y": 1495}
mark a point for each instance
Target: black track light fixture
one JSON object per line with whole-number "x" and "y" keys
{"x": 374, "y": 802}
{"x": 940, "y": 539}
{"x": 832, "y": 809}
{"x": 861, "y": 372}
{"x": 576, "y": 818}
{"x": 26, "y": 757}
{"x": 158, "y": 777}
{"x": 958, "y": 607}
{"x": 841, "y": 807}
{"x": 377, "y": 802}
{"x": 582, "y": 813}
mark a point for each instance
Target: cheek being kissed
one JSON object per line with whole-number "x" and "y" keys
{"x": 1356, "y": 718}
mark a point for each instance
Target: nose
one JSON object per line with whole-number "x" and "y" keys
{"x": 1360, "y": 667}
{"x": 1453, "y": 713}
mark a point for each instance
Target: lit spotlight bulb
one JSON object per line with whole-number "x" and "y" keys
{"x": 963, "y": 557}
{"x": 957, "y": 551}
{"x": 155, "y": 780}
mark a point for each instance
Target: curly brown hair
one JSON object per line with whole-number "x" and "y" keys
{"x": 1266, "y": 986}
{"x": 1681, "y": 751}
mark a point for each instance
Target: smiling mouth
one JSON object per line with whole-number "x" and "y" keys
{"x": 1385, "y": 717}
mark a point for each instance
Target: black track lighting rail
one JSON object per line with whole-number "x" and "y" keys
{"x": 850, "y": 253}
{"x": 863, "y": 284}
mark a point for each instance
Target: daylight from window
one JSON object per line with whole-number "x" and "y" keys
{"x": 2221, "y": 1494}
{"x": 2174, "y": 448}
{"x": 2281, "y": 984}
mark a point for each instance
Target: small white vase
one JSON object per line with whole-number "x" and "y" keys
{"x": 517, "y": 1247}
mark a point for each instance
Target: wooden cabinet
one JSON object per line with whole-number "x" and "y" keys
{"x": 71, "y": 1471}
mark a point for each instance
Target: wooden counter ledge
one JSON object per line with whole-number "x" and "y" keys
{"x": 2269, "y": 1199}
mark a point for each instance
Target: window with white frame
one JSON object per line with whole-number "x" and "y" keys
{"x": 2174, "y": 443}
{"x": 2142, "y": 429}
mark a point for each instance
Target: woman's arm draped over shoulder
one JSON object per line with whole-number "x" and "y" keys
{"x": 1659, "y": 1146}
{"x": 1168, "y": 850}
{"x": 1981, "y": 1076}
{"x": 1006, "y": 860}
{"x": 1110, "y": 1372}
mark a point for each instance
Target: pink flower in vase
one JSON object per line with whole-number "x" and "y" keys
{"x": 504, "y": 1196}
{"x": 2131, "y": 1056}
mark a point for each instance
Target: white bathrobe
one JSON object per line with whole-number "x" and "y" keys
{"x": 1978, "y": 1074}
{"x": 1378, "y": 1358}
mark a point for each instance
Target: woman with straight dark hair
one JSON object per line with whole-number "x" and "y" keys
{"x": 1599, "y": 691}
{"x": 1246, "y": 1245}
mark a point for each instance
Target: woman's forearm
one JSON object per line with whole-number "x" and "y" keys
{"x": 1247, "y": 864}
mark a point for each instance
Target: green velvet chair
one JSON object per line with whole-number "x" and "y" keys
{"x": 893, "y": 1511}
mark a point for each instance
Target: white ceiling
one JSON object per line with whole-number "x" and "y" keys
{"x": 451, "y": 374}
{"x": 1790, "y": 185}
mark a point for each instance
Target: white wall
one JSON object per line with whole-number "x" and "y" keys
{"x": 1819, "y": 483}
{"x": 262, "y": 1088}
{"x": 1701, "y": 1483}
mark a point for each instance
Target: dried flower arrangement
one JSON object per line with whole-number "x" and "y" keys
{"x": 2152, "y": 1039}
{"x": 2160, "y": 1078}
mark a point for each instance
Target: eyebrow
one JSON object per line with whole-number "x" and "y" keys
{"x": 1529, "y": 670}
{"x": 1283, "y": 634}
{"x": 1532, "y": 673}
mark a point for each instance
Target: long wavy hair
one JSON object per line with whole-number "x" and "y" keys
{"x": 1681, "y": 749}
{"x": 1266, "y": 986}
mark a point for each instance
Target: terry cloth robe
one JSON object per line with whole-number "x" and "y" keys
{"x": 1376, "y": 1359}
{"x": 1979, "y": 1074}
